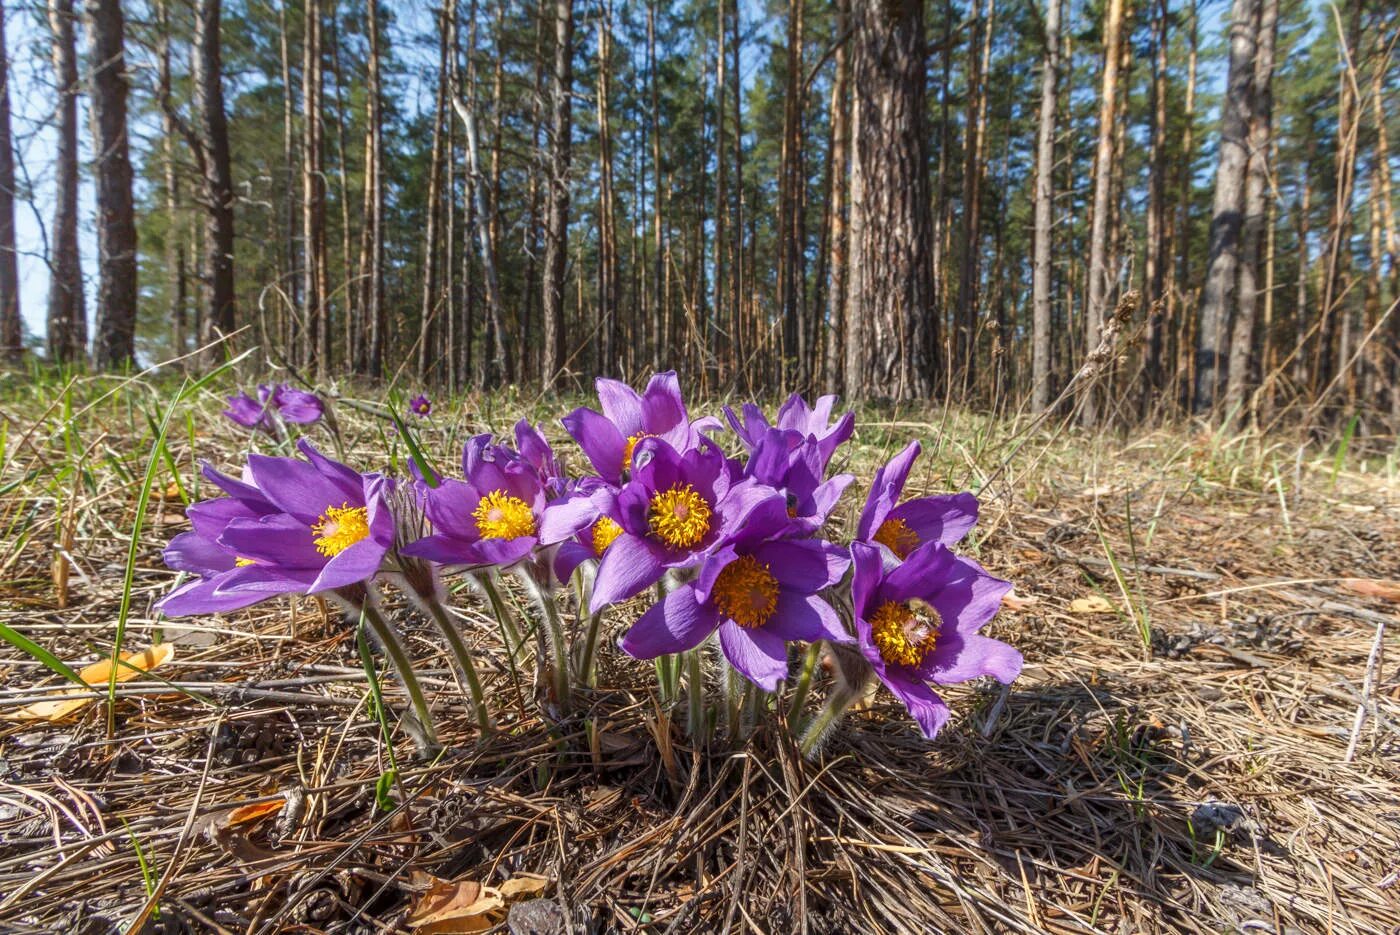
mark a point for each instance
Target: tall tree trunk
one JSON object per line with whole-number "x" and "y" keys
{"x": 718, "y": 334}
{"x": 293, "y": 314}
{"x": 895, "y": 289}
{"x": 1340, "y": 220}
{"x": 428, "y": 330}
{"x": 220, "y": 317}
{"x": 115, "y": 343}
{"x": 605, "y": 329}
{"x": 661, "y": 309}
{"x": 67, "y": 317}
{"x": 175, "y": 261}
{"x": 1155, "y": 263}
{"x": 834, "y": 256}
{"x": 1044, "y": 213}
{"x": 11, "y": 328}
{"x": 373, "y": 305}
{"x": 556, "y": 245}
{"x": 1226, "y": 221}
{"x": 1099, "y": 272}
{"x": 1256, "y": 197}
{"x": 792, "y": 276}
{"x": 969, "y": 278}
{"x": 316, "y": 350}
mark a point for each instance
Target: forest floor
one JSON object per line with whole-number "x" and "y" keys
{"x": 1177, "y": 756}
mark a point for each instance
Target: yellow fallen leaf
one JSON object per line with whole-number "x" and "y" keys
{"x": 136, "y": 663}
{"x": 247, "y": 814}
{"x": 1374, "y": 587}
{"x": 1093, "y": 604}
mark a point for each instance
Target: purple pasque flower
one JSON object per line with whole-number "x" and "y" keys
{"x": 758, "y": 593}
{"x": 295, "y": 405}
{"x": 534, "y": 450}
{"x": 248, "y": 412}
{"x": 676, "y": 508}
{"x": 904, "y": 527}
{"x": 420, "y": 406}
{"x": 491, "y": 517}
{"x": 795, "y": 415}
{"x": 609, "y": 438}
{"x": 795, "y": 465}
{"x": 290, "y": 526}
{"x": 919, "y": 623}
{"x": 579, "y": 526}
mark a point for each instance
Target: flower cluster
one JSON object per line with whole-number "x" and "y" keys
{"x": 274, "y": 403}
{"x": 739, "y": 549}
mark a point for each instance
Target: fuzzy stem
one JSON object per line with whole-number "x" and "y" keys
{"x": 804, "y": 681}
{"x": 510, "y": 633}
{"x": 394, "y": 648}
{"x": 554, "y": 636}
{"x": 820, "y": 726}
{"x": 695, "y": 694}
{"x": 459, "y": 649}
{"x": 587, "y": 673}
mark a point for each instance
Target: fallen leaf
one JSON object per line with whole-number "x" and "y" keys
{"x": 522, "y": 886}
{"x": 447, "y": 907}
{"x": 136, "y": 663}
{"x": 1093, "y": 604}
{"x": 1374, "y": 587}
{"x": 247, "y": 814}
{"x": 1013, "y": 601}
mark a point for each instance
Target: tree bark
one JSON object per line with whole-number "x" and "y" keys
{"x": 1044, "y": 213}
{"x": 220, "y": 317}
{"x": 557, "y": 220}
{"x": 1226, "y": 221}
{"x": 1099, "y": 272}
{"x": 316, "y": 349}
{"x": 67, "y": 317}
{"x": 1256, "y": 198}
{"x": 969, "y": 278}
{"x": 373, "y": 285}
{"x": 1155, "y": 263}
{"x": 428, "y": 356}
{"x": 11, "y": 324}
{"x": 893, "y": 287}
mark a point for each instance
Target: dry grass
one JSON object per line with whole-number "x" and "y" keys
{"x": 1196, "y": 784}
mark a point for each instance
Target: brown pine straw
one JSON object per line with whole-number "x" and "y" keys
{"x": 1204, "y": 788}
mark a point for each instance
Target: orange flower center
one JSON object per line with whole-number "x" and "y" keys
{"x": 340, "y": 527}
{"x": 631, "y": 447}
{"x": 604, "y": 532}
{"x": 746, "y": 592}
{"x": 904, "y": 635}
{"x": 500, "y": 516}
{"x": 895, "y": 535}
{"x": 679, "y": 516}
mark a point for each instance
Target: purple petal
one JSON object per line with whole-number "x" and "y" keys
{"x": 191, "y": 551}
{"x": 199, "y": 597}
{"x": 296, "y": 487}
{"x": 805, "y": 565}
{"x": 628, "y": 566}
{"x": 566, "y": 518}
{"x": 621, "y": 405}
{"x": 296, "y": 405}
{"x": 946, "y": 519}
{"x": 359, "y": 562}
{"x": 209, "y": 517}
{"x": 970, "y": 597}
{"x": 348, "y": 480}
{"x": 450, "y": 507}
{"x": 757, "y": 654}
{"x": 710, "y": 571}
{"x": 924, "y": 574}
{"x": 278, "y": 540}
{"x": 662, "y": 406}
{"x": 958, "y": 657}
{"x": 807, "y": 618}
{"x": 568, "y": 556}
{"x": 885, "y": 490}
{"x": 675, "y": 624}
{"x": 600, "y": 440}
{"x": 865, "y": 580}
{"x": 923, "y": 703}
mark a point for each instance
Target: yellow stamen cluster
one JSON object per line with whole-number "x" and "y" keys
{"x": 895, "y": 535}
{"x": 746, "y": 592}
{"x": 340, "y": 527}
{"x": 903, "y": 636}
{"x": 500, "y": 516}
{"x": 631, "y": 446}
{"x": 241, "y": 562}
{"x": 679, "y": 516}
{"x": 604, "y": 532}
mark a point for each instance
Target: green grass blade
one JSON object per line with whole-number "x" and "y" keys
{"x": 25, "y": 644}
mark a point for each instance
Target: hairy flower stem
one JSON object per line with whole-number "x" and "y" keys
{"x": 553, "y": 629}
{"x": 510, "y": 633}
{"x": 587, "y": 673}
{"x": 399, "y": 656}
{"x": 804, "y": 681}
{"x": 821, "y": 726}
{"x": 695, "y": 694}
{"x": 733, "y": 685}
{"x": 443, "y": 619}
